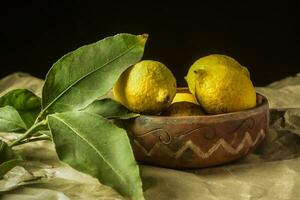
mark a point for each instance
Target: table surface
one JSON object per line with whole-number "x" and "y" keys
{"x": 271, "y": 172}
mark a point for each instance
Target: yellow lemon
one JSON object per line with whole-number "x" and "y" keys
{"x": 183, "y": 96}
{"x": 183, "y": 108}
{"x": 222, "y": 89}
{"x": 208, "y": 62}
{"x": 184, "y": 104}
{"x": 148, "y": 87}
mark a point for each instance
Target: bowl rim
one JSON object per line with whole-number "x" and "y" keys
{"x": 264, "y": 103}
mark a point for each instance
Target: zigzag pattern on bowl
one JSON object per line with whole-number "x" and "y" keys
{"x": 247, "y": 142}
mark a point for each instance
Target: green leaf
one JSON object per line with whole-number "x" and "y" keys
{"x": 8, "y": 158}
{"x": 110, "y": 109}
{"x": 81, "y": 76}
{"x": 10, "y": 120}
{"x": 25, "y": 102}
{"x": 94, "y": 145}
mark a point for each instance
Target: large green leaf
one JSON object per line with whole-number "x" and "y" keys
{"x": 8, "y": 158}
{"x": 25, "y": 102}
{"x": 110, "y": 109}
{"x": 81, "y": 76}
{"x": 93, "y": 145}
{"x": 10, "y": 120}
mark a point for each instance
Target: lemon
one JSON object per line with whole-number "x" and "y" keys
{"x": 183, "y": 108}
{"x": 221, "y": 89}
{"x": 184, "y": 104}
{"x": 183, "y": 96}
{"x": 209, "y": 62}
{"x": 148, "y": 87}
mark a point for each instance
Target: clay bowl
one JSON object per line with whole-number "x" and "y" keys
{"x": 185, "y": 142}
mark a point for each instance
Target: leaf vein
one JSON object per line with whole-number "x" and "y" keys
{"x": 74, "y": 83}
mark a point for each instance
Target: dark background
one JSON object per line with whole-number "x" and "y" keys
{"x": 262, "y": 36}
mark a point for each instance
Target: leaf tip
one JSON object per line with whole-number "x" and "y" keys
{"x": 143, "y": 38}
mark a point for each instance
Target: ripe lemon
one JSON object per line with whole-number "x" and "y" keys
{"x": 183, "y": 108}
{"x": 184, "y": 96}
{"x": 208, "y": 62}
{"x": 221, "y": 89}
{"x": 184, "y": 104}
{"x": 148, "y": 87}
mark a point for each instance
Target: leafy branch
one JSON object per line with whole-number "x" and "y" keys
{"x": 70, "y": 114}
{"x": 28, "y": 133}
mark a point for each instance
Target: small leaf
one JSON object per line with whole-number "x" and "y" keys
{"x": 25, "y": 102}
{"x": 81, "y": 76}
{"x": 93, "y": 145}
{"x": 10, "y": 120}
{"x": 8, "y": 158}
{"x": 6, "y": 152}
{"x": 110, "y": 109}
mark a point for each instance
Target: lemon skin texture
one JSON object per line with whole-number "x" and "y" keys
{"x": 187, "y": 97}
{"x": 148, "y": 87}
{"x": 183, "y": 108}
{"x": 223, "y": 89}
{"x": 208, "y": 62}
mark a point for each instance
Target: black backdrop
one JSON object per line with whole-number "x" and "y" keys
{"x": 262, "y": 36}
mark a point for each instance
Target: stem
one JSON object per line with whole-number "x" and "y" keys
{"x": 33, "y": 140}
{"x": 27, "y": 133}
{"x": 38, "y": 117}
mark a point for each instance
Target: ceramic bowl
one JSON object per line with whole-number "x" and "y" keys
{"x": 185, "y": 142}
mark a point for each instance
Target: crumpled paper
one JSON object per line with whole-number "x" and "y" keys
{"x": 271, "y": 172}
